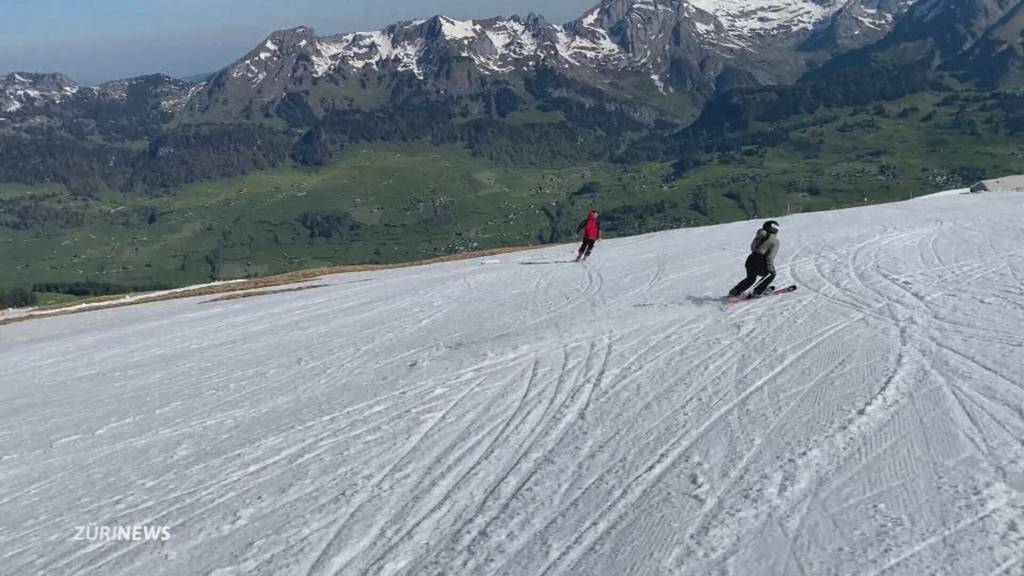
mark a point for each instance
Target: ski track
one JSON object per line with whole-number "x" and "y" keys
{"x": 604, "y": 417}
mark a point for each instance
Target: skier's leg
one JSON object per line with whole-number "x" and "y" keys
{"x": 743, "y": 286}
{"x": 752, "y": 273}
{"x": 765, "y": 283}
{"x": 590, "y": 248}
{"x": 583, "y": 248}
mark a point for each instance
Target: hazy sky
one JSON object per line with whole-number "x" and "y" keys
{"x": 98, "y": 40}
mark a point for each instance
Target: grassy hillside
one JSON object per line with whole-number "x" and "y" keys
{"x": 388, "y": 203}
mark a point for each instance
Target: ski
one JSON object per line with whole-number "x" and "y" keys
{"x": 775, "y": 292}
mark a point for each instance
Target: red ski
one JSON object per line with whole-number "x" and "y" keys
{"x": 775, "y": 292}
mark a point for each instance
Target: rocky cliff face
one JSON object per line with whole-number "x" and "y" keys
{"x": 996, "y": 58}
{"x": 976, "y": 40}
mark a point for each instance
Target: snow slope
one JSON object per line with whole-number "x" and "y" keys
{"x": 527, "y": 416}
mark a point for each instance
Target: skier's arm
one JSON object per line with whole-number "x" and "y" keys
{"x": 756, "y": 242}
{"x": 598, "y": 229}
{"x": 769, "y": 256}
{"x": 581, "y": 226}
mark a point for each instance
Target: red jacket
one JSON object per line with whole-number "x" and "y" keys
{"x": 591, "y": 227}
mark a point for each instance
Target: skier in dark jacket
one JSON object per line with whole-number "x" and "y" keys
{"x": 761, "y": 262}
{"x": 591, "y": 229}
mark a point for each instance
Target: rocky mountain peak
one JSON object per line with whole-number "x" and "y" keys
{"x": 20, "y": 89}
{"x": 42, "y": 82}
{"x": 642, "y": 29}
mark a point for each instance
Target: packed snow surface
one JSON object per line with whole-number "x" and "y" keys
{"x": 525, "y": 415}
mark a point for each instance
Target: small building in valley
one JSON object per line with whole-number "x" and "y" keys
{"x": 1006, "y": 184}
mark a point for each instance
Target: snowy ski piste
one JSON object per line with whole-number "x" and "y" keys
{"x": 524, "y": 415}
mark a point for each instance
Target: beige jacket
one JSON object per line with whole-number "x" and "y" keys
{"x": 767, "y": 244}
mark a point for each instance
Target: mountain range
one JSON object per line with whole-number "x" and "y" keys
{"x": 657, "y": 52}
{"x": 624, "y": 67}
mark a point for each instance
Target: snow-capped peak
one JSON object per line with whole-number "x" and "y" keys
{"x": 20, "y": 89}
{"x": 489, "y": 43}
{"x": 458, "y": 29}
{"x": 495, "y": 45}
{"x": 367, "y": 49}
{"x": 749, "y": 17}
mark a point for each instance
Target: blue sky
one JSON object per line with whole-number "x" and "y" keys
{"x": 98, "y": 40}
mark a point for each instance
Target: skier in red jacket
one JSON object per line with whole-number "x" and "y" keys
{"x": 591, "y": 229}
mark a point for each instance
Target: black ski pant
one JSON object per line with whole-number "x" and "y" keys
{"x": 587, "y": 247}
{"x": 757, "y": 267}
